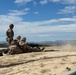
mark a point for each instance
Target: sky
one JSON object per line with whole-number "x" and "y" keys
{"x": 39, "y": 20}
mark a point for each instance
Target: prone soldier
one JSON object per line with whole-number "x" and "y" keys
{"x": 26, "y": 48}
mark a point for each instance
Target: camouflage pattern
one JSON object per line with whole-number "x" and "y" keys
{"x": 25, "y": 48}
{"x": 18, "y": 38}
{"x": 14, "y": 50}
{"x": 10, "y": 35}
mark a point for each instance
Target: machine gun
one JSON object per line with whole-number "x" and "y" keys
{"x": 33, "y": 45}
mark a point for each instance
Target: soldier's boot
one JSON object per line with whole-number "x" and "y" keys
{"x": 1, "y": 54}
{"x": 43, "y": 49}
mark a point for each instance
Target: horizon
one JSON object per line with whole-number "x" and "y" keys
{"x": 67, "y": 41}
{"x": 39, "y": 20}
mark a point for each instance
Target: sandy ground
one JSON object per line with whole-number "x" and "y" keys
{"x": 50, "y": 62}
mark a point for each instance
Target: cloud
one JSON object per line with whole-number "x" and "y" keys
{"x": 22, "y": 1}
{"x": 47, "y": 1}
{"x": 59, "y": 1}
{"x": 55, "y": 0}
{"x": 68, "y": 2}
{"x": 48, "y": 26}
{"x": 19, "y": 12}
{"x": 68, "y": 10}
{"x": 30, "y": 29}
{"x": 35, "y": 3}
{"x": 54, "y": 22}
{"x": 62, "y": 28}
{"x": 36, "y": 12}
{"x": 7, "y": 19}
{"x": 44, "y": 1}
{"x": 40, "y": 26}
{"x": 43, "y": 35}
{"x": 26, "y": 9}
{"x": 14, "y": 16}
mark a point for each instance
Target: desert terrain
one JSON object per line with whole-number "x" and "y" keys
{"x": 55, "y": 60}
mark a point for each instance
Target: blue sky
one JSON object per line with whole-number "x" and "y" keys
{"x": 39, "y": 20}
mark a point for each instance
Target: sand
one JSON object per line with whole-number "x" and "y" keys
{"x": 50, "y": 62}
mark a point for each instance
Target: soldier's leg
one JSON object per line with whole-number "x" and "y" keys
{"x": 37, "y": 49}
{"x": 11, "y": 52}
{"x": 9, "y": 41}
{"x": 18, "y": 51}
{"x": 1, "y": 54}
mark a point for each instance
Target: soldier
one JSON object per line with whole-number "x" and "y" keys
{"x": 27, "y": 48}
{"x": 23, "y": 45}
{"x": 18, "y": 38}
{"x": 10, "y": 34}
{"x": 14, "y": 49}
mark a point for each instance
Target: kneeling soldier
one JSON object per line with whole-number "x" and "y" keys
{"x": 14, "y": 49}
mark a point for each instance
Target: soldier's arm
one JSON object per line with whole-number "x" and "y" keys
{"x": 13, "y": 33}
{"x": 7, "y": 33}
{"x": 28, "y": 47}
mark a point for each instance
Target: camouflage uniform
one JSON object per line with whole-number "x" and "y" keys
{"x": 10, "y": 35}
{"x": 25, "y": 48}
{"x": 14, "y": 49}
{"x": 18, "y": 40}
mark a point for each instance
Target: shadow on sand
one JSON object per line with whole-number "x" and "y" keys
{"x": 51, "y": 50}
{"x": 32, "y": 60}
